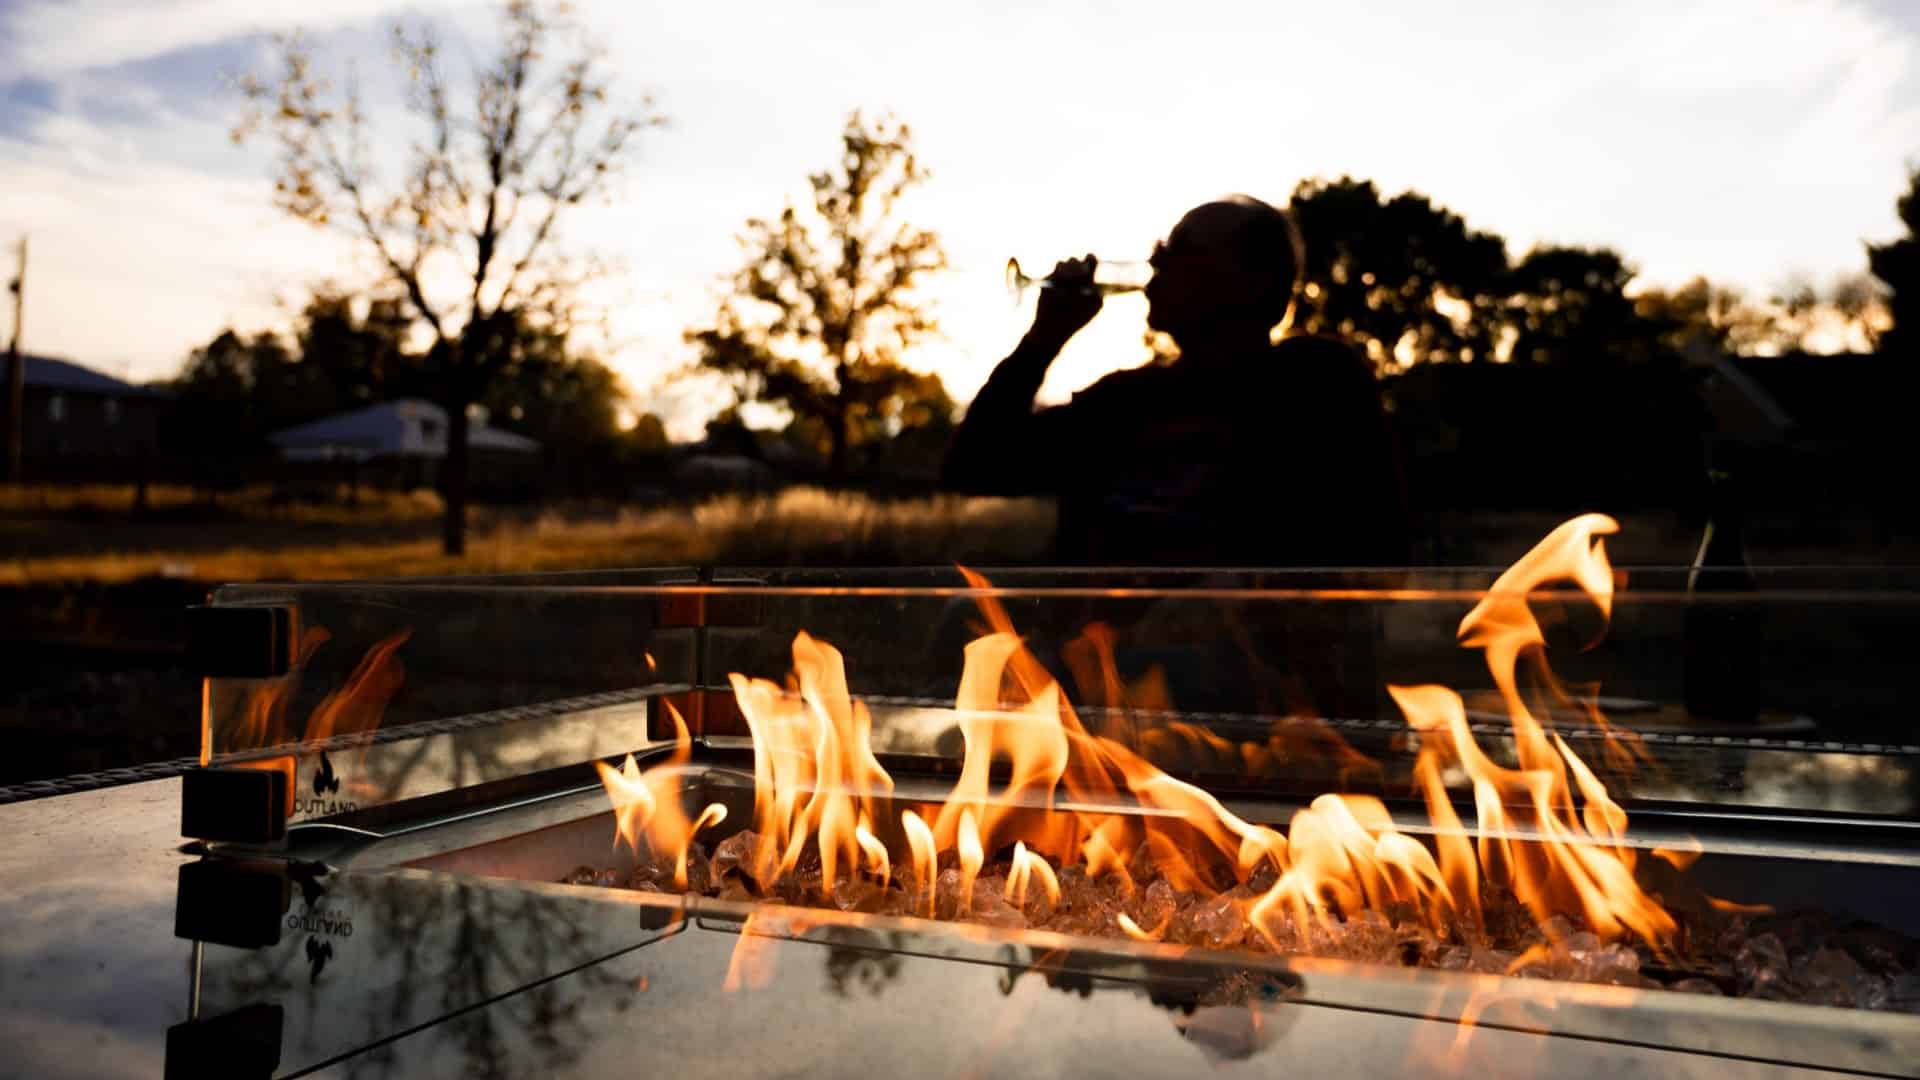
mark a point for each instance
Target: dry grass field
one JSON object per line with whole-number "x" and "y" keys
{"x": 89, "y": 534}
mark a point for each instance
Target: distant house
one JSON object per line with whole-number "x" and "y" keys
{"x": 401, "y": 444}
{"x": 81, "y": 424}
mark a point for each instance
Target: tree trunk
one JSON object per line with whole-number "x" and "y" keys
{"x": 837, "y": 458}
{"x": 453, "y": 478}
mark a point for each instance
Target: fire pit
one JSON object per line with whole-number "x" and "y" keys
{"x": 1466, "y": 800}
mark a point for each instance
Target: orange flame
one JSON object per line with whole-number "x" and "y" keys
{"x": 815, "y": 775}
{"x": 970, "y": 859}
{"x": 925, "y": 861}
{"x": 649, "y": 803}
{"x": 1027, "y": 865}
{"x": 357, "y": 706}
{"x": 1568, "y": 861}
{"x": 1545, "y": 828}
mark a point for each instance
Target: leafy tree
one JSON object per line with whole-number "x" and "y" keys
{"x": 1570, "y": 304}
{"x": 235, "y": 391}
{"x": 648, "y": 436}
{"x": 364, "y": 356}
{"x": 1808, "y": 317}
{"x": 1860, "y": 304}
{"x": 467, "y": 227}
{"x": 219, "y": 417}
{"x": 1705, "y": 313}
{"x": 1401, "y": 275}
{"x": 1897, "y": 265}
{"x": 820, "y": 315}
{"x": 543, "y": 390}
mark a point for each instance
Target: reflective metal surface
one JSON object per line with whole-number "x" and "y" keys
{"x": 91, "y": 975}
{"x": 379, "y": 971}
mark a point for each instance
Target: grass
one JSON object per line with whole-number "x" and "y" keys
{"x": 75, "y": 539}
{"x": 256, "y": 503}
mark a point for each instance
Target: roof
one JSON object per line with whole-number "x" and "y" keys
{"x": 52, "y": 374}
{"x": 408, "y": 426}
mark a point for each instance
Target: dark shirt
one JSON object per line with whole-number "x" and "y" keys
{"x": 1283, "y": 457}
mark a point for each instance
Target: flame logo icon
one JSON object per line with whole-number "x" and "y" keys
{"x": 325, "y": 781}
{"x": 318, "y": 953}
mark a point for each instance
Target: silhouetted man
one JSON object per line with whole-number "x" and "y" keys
{"x": 1242, "y": 452}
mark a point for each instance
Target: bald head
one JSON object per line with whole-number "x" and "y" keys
{"x": 1231, "y": 261}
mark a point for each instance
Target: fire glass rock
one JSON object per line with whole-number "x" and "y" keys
{"x": 1871, "y": 992}
{"x": 859, "y": 894}
{"x": 652, "y": 874}
{"x": 589, "y": 875}
{"x": 1878, "y": 949}
{"x": 1580, "y": 943}
{"x": 699, "y": 876}
{"x": 1905, "y": 992}
{"x": 1762, "y": 964}
{"x": 946, "y": 894}
{"x": 1541, "y": 964}
{"x": 1490, "y": 961}
{"x": 1219, "y": 923}
{"x": 1369, "y": 937}
{"x": 1264, "y": 877}
{"x": 1153, "y": 907}
{"x": 1828, "y": 966}
{"x": 990, "y": 908}
{"x": 1590, "y": 961}
{"x": 1696, "y": 986}
{"x": 734, "y": 856}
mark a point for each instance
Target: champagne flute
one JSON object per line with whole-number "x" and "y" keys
{"x": 1110, "y": 278}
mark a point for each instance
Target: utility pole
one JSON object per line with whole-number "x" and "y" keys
{"x": 16, "y": 371}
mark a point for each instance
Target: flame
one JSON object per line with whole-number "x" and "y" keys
{"x": 1680, "y": 858}
{"x": 1027, "y": 865}
{"x": 925, "y": 862}
{"x": 1103, "y": 856}
{"x": 1133, "y": 930}
{"x": 648, "y": 804}
{"x": 633, "y": 800}
{"x": 1545, "y": 828}
{"x": 1570, "y": 861}
{"x": 815, "y": 774}
{"x": 874, "y": 850}
{"x": 970, "y": 859}
{"x": 750, "y": 965}
{"x": 714, "y": 814}
{"x": 1732, "y": 908}
{"x": 357, "y": 706}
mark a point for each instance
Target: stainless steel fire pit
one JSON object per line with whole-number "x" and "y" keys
{"x": 412, "y": 809}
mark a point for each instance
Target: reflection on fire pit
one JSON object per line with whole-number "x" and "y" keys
{"x": 1805, "y": 957}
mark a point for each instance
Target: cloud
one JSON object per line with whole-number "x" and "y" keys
{"x": 53, "y": 37}
{"x": 134, "y": 262}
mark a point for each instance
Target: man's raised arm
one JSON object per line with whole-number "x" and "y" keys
{"x": 1003, "y": 446}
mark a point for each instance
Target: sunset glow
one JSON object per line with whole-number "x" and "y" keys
{"x": 1665, "y": 130}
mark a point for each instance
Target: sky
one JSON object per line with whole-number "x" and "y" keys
{"x": 1747, "y": 140}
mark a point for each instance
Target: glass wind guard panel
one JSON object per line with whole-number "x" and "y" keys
{"x": 1791, "y": 696}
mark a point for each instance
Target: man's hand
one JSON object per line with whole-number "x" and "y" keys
{"x": 1067, "y": 303}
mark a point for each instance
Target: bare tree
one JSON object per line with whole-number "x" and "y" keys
{"x": 465, "y": 223}
{"x": 1861, "y": 305}
{"x": 1851, "y": 313}
{"x": 826, "y": 304}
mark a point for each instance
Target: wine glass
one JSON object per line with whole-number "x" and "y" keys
{"x": 1110, "y": 278}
